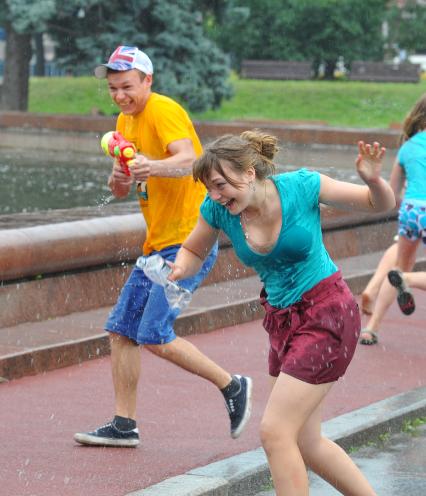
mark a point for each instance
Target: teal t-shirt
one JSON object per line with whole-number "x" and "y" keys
{"x": 412, "y": 158}
{"x": 299, "y": 260}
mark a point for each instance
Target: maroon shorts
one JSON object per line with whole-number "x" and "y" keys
{"x": 314, "y": 339}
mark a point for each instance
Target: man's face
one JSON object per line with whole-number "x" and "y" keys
{"x": 129, "y": 91}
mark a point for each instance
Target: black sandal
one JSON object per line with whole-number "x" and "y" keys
{"x": 405, "y": 297}
{"x": 374, "y": 338}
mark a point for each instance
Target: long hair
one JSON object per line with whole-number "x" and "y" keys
{"x": 415, "y": 120}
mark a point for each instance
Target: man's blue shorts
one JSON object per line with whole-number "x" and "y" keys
{"x": 142, "y": 312}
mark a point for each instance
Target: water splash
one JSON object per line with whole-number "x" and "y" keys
{"x": 104, "y": 200}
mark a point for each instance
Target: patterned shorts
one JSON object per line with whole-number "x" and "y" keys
{"x": 412, "y": 220}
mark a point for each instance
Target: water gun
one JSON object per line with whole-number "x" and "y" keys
{"x": 114, "y": 144}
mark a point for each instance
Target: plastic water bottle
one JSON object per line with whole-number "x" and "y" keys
{"x": 156, "y": 269}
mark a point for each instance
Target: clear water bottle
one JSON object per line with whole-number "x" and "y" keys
{"x": 156, "y": 269}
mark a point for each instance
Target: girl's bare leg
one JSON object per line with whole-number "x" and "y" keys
{"x": 406, "y": 258}
{"x": 286, "y": 424}
{"x": 369, "y": 295}
{"x": 330, "y": 461}
{"x": 415, "y": 280}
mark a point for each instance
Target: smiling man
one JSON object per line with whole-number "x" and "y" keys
{"x": 167, "y": 146}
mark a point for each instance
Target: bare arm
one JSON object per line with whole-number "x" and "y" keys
{"x": 182, "y": 156}
{"x": 376, "y": 196}
{"x": 397, "y": 180}
{"x": 194, "y": 250}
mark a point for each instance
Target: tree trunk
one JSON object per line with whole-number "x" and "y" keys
{"x": 39, "y": 69}
{"x": 16, "y": 70}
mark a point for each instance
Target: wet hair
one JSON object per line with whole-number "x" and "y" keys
{"x": 250, "y": 149}
{"x": 415, "y": 120}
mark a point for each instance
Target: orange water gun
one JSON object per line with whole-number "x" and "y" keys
{"x": 114, "y": 144}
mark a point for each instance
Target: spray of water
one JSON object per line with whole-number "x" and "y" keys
{"x": 104, "y": 200}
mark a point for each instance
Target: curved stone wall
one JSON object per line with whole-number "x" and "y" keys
{"x": 78, "y": 131}
{"x": 69, "y": 246}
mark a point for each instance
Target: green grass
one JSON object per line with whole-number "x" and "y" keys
{"x": 338, "y": 103}
{"x": 69, "y": 95}
{"x": 411, "y": 426}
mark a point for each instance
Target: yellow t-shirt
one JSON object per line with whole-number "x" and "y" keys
{"x": 171, "y": 205}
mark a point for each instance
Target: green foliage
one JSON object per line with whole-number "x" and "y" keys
{"x": 333, "y": 28}
{"x": 411, "y": 426}
{"x": 407, "y": 27}
{"x": 187, "y": 65}
{"x": 29, "y": 15}
{"x": 257, "y": 29}
{"x": 316, "y": 30}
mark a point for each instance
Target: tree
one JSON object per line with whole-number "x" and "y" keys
{"x": 20, "y": 18}
{"x": 407, "y": 27}
{"x": 40, "y": 64}
{"x": 327, "y": 29}
{"x": 256, "y": 29}
{"x": 187, "y": 64}
{"x": 14, "y": 94}
{"x": 316, "y": 30}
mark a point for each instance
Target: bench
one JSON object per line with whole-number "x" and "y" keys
{"x": 387, "y": 73}
{"x": 276, "y": 69}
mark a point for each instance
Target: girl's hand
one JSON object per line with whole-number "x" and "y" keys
{"x": 369, "y": 161}
{"x": 176, "y": 272}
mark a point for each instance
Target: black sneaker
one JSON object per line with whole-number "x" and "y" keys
{"x": 405, "y": 297}
{"x": 109, "y": 435}
{"x": 239, "y": 406}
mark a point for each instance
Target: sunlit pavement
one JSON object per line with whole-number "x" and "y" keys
{"x": 182, "y": 419}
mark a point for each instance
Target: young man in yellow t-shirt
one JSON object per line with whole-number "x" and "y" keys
{"x": 169, "y": 198}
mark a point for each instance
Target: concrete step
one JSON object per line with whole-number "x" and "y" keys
{"x": 35, "y": 347}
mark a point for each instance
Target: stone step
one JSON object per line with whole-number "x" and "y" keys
{"x": 35, "y": 347}
{"x": 58, "y": 269}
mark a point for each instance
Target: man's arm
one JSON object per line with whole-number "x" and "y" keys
{"x": 178, "y": 164}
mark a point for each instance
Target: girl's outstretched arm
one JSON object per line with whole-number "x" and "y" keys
{"x": 193, "y": 251}
{"x": 376, "y": 196}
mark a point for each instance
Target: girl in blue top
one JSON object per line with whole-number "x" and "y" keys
{"x": 409, "y": 171}
{"x": 312, "y": 319}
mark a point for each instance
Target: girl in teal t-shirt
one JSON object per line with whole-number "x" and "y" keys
{"x": 312, "y": 319}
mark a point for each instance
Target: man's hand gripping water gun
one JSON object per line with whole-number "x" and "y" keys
{"x": 114, "y": 144}
{"x": 135, "y": 167}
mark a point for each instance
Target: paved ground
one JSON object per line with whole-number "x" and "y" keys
{"x": 394, "y": 467}
{"x": 182, "y": 419}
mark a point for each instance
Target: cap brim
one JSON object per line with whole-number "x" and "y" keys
{"x": 101, "y": 72}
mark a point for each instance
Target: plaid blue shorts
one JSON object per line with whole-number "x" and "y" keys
{"x": 142, "y": 312}
{"x": 412, "y": 220}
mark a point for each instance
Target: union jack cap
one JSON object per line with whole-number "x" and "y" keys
{"x": 125, "y": 58}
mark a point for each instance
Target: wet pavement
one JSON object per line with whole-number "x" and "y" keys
{"x": 394, "y": 465}
{"x": 182, "y": 419}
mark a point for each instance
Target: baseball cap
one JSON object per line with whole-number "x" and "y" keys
{"x": 125, "y": 58}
